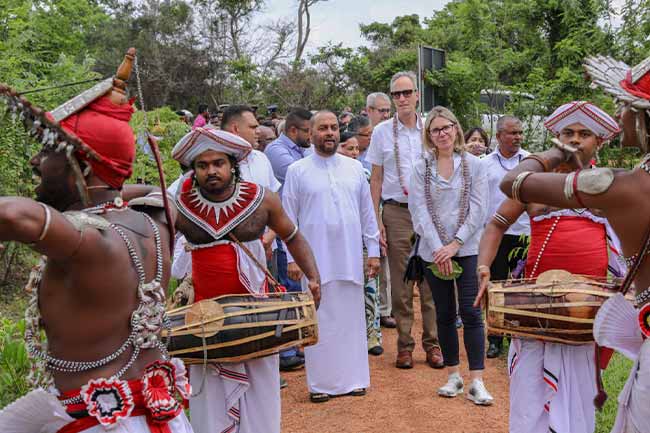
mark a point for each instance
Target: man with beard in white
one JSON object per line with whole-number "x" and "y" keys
{"x": 328, "y": 197}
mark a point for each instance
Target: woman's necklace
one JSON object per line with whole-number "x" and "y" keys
{"x": 432, "y": 205}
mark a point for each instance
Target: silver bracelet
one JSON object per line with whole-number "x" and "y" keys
{"x": 48, "y": 220}
{"x": 291, "y": 236}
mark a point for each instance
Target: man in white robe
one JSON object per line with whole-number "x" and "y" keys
{"x": 328, "y": 197}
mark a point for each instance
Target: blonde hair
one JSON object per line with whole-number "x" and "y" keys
{"x": 438, "y": 111}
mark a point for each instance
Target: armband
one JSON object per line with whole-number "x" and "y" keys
{"x": 500, "y": 219}
{"x": 519, "y": 181}
{"x": 152, "y": 200}
{"x": 593, "y": 182}
{"x": 46, "y": 224}
{"x": 291, "y": 236}
{"x": 544, "y": 162}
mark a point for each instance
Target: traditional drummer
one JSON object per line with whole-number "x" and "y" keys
{"x": 623, "y": 198}
{"x": 223, "y": 219}
{"x": 98, "y": 293}
{"x": 553, "y": 385}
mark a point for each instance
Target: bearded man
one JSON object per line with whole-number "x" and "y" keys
{"x": 553, "y": 385}
{"x": 621, "y": 196}
{"x": 223, "y": 219}
{"x": 328, "y": 197}
{"x": 98, "y": 294}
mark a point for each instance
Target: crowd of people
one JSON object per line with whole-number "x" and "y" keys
{"x": 360, "y": 211}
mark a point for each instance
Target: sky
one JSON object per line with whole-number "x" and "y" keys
{"x": 338, "y": 20}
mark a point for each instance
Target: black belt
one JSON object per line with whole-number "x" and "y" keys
{"x": 396, "y": 203}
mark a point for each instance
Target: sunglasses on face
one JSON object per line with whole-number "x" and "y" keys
{"x": 405, "y": 93}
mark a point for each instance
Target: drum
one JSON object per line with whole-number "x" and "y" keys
{"x": 557, "y": 306}
{"x": 236, "y": 328}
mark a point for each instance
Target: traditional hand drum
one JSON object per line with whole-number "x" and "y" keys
{"x": 236, "y": 328}
{"x": 557, "y": 306}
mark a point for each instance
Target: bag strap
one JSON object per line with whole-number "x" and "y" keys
{"x": 634, "y": 269}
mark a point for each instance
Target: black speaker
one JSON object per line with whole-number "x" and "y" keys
{"x": 430, "y": 59}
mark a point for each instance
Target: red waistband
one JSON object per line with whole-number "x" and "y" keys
{"x": 215, "y": 272}
{"x": 153, "y": 396}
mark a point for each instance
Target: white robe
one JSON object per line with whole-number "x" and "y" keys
{"x": 329, "y": 199}
{"x": 552, "y": 387}
{"x": 338, "y": 364}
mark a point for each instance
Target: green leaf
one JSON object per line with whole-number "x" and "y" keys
{"x": 457, "y": 270}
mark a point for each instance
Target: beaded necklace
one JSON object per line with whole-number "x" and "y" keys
{"x": 146, "y": 321}
{"x": 432, "y": 205}
{"x": 400, "y": 176}
{"x": 501, "y": 162}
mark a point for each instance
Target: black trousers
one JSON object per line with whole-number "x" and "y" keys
{"x": 502, "y": 267}
{"x": 444, "y": 297}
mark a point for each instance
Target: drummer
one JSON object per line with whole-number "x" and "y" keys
{"x": 215, "y": 204}
{"x": 553, "y": 385}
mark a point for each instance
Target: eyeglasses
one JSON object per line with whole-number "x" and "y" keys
{"x": 405, "y": 93}
{"x": 305, "y": 130}
{"x": 445, "y": 129}
{"x": 382, "y": 110}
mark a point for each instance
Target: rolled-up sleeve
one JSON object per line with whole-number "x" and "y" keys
{"x": 422, "y": 225}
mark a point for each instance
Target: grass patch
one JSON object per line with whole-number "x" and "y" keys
{"x": 613, "y": 378}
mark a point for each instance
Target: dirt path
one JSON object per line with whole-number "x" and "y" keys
{"x": 399, "y": 400}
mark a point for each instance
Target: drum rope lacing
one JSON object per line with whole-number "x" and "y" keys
{"x": 147, "y": 320}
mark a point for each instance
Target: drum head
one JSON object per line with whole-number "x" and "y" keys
{"x": 205, "y": 318}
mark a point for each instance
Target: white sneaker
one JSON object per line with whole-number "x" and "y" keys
{"x": 479, "y": 394}
{"x": 453, "y": 387}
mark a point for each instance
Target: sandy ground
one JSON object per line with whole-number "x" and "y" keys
{"x": 402, "y": 401}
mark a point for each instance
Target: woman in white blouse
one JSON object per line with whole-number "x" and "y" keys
{"x": 447, "y": 201}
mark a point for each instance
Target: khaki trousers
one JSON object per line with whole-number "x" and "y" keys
{"x": 399, "y": 229}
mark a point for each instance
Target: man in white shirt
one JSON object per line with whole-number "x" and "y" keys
{"x": 394, "y": 147}
{"x": 505, "y": 157}
{"x": 327, "y": 196}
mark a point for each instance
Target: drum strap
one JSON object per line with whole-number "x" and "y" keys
{"x": 276, "y": 285}
{"x": 634, "y": 269}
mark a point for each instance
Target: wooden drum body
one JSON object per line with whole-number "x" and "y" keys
{"x": 236, "y": 328}
{"x": 557, "y": 306}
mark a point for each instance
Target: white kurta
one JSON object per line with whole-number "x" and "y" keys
{"x": 552, "y": 387}
{"x": 329, "y": 199}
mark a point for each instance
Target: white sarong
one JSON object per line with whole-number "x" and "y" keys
{"x": 552, "y": 387}
{"x": 242, "y": 397}
{"x": 41, "y": 412}
{"x": 338, "y": 364}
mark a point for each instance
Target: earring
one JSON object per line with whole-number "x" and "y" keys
{"x": 232, "y": 170}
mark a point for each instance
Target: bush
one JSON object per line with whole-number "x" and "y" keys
{"x": 14, "y": 362}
